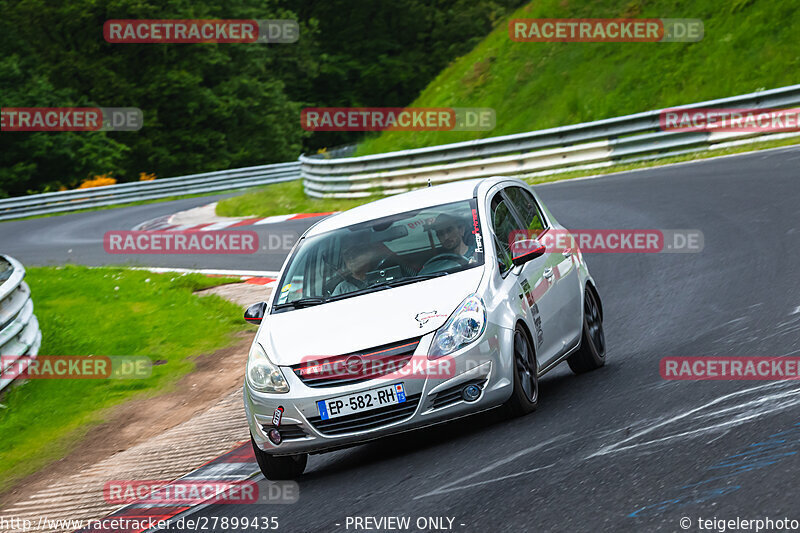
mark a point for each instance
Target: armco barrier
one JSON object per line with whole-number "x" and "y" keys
{"x": 589, "y": 145}
{"x": 58, "y": 202}
{"x": 19, "y": 329}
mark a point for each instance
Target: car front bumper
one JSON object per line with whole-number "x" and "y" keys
{"x": 431, "y": 399}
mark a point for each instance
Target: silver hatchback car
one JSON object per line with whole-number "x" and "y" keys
{"x": 413, "y": 310}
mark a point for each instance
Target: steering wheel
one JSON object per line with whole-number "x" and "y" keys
{"x": 460, "y": 259}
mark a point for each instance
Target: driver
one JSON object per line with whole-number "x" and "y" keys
{"x": 450, "y": 230}
{"x": 357, "y": 260}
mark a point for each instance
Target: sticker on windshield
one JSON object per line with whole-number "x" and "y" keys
{"x": 476, "y": 230}
{"x": 284, "y": 294}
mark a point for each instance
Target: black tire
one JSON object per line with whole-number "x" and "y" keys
{"x": 592, "y": 352}
{"x": 525, "y": 397}
{"x": 277, "y": 468}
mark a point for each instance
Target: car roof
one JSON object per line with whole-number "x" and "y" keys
{"x": 399, "y": 203}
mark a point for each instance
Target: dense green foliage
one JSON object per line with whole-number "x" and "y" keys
{"x": 383, "y": 53}
{"x": 207, "y": 106}
{"x": 748, "y": 45}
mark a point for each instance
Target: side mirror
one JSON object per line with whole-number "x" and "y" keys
{"x": 255, "y": 313}
{"x": 525, "y": 250}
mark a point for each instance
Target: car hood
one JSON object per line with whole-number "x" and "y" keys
{"x": 365, "y": 321}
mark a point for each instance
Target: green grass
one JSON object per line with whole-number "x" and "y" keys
{"x": 282, "y": 199}
{"x": 105, "y": 311}
{"x": 748, "y": 45}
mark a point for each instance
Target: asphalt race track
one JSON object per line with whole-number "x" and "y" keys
{"x": 616, "y": 449}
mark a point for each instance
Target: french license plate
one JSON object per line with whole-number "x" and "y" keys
{"x": 361, "y": 401}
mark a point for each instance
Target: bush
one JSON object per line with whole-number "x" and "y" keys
{"x": 98, "y": 181}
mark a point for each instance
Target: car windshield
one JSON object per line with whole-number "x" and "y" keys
{"x": 382, "y": 253}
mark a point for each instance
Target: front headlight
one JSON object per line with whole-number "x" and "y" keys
{"x": 262, "y": 374}
{"x": 463, "y": 327}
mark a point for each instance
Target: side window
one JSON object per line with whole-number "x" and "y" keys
{"x": 503, "y": 225}
{"x": 525, "y": 205}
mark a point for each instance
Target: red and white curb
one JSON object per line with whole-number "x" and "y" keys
{"x": 164, "y": 223}
{"x": 237, "y": 465}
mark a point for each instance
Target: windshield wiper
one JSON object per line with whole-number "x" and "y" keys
{"x": 383, "y": 285}
{"x": 302, "y": 302}
{"x": 387, "y": 285}
{"x": 367, "y": 290}
{"x": 406, "y": 281}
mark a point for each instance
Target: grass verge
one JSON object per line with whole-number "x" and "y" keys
{"x": 283, "y": 199}
{"x": 105, "y": 311}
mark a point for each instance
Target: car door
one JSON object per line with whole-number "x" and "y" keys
{"x": 560, "y": 272}
{"x": 525, "y": 282}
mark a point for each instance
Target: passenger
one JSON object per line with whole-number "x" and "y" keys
{"x": 451, "y": 230}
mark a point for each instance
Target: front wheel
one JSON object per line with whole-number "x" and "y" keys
{"x": 277, "y": 468}
{"x": 525, "y": 397}
{"x": 592, "y": 353}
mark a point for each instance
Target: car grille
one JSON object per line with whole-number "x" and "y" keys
{"x": 370, "y": 364}
{"x": 368, "y": 420}
{"x": 453, "y": 394}
{"x": 288, "y": 432}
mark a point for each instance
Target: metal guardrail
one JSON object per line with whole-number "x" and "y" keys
{"x": 19, "y": 329}
{"x": 65, "y": 201}
{"x": 595, "y": 144}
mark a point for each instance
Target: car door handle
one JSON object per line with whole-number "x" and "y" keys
{"x": 548, "y": 272}
{"x": 567, "y": 252}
